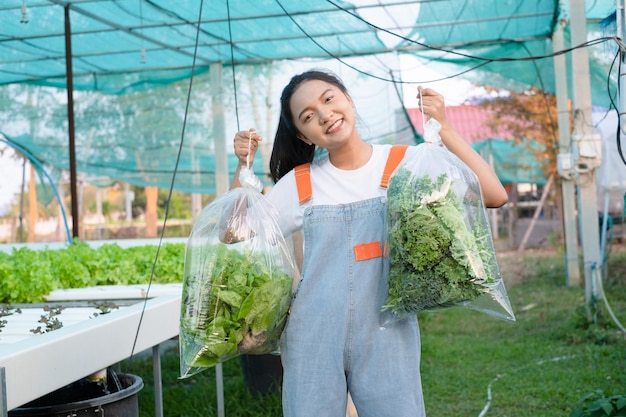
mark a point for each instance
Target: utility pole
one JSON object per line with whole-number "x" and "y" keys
{"x": 565, "y": 163}
{"x": 587, "y": 153}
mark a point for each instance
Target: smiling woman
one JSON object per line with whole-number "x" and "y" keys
{"x": 338, "y": 202}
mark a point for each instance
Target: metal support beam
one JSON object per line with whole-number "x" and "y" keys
{"x": 565, "y": 163}
{"x": 587, "y": 153}
{"x": 219, "y": 129}
{"x": 221, "y": 180}
{"x": 4, "y": 408}
{"x": 70, "y": 121}
{"x": 158, "y": 384}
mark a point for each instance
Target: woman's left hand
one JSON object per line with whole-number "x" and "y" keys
{"x": 432, "y": 104}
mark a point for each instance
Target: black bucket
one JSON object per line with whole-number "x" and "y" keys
{"x": 84, "y": 398}
{"x": 262, "y": 374}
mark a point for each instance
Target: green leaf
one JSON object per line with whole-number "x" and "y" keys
{"x": 232, "y": 298}
{"x": 436, "y": 260}
{"x": 235, "y": 293}
{"x": 607, "y": 407}
{"x": 28, "y": 275}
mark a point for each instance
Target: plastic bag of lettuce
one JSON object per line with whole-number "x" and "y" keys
{"x": 238, "y": 279}
{"x": 440, "y": 246}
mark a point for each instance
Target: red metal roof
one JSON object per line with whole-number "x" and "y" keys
{"x": 468, "y": 120}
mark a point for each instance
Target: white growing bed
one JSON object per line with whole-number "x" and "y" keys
{"x": 33, "y": 365}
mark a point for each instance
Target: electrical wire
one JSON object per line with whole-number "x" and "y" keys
{"x": 483, "y": 61}
{"x": 597, "y": 272}
{"x": 171, "y": 189}
{"x": 597, "y": 277}
{"x": 498, "y": 377}
{"x": 620, "y": 56}
{"x": 465, "y": 55}
{"x": 417, "y": 137}
{"x": 337, "y": 58}
{"x": 232, "y": 63}
{"x": 483, "y": 412}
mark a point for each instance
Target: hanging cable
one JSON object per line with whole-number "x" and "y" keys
{"x": 483, "y": 61}
{"x": 330, "y": 54}
{"x": 449, "y": 51}
{"x": 232, "y": 63}
{"x": 171, "y": 189}
{"x": 416, "y": 135}
{"x": 597, "y": 279}
{"x": 619, "y": 55}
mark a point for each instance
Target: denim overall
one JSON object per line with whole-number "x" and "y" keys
{"x": 333, "y": 341}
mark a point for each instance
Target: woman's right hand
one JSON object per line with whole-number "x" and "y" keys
{"x": 246, "y": 143}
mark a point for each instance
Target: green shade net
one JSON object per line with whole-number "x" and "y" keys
{"x": 132, "y": 61}
{"x": 509, "y": 44}
{"x": 123, "y": 46}
{"x": 513, "y": 162}
{"x": 134, "y": 137}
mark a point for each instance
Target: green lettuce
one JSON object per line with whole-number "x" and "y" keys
{"x": 436, "y": 259}
{"x": 232, "y": 304}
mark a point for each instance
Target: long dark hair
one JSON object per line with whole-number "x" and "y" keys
{"x": 289, "y": 151}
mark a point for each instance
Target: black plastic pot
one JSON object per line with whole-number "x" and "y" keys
{"x": 262, "y": 374}
{"x": 83, "y": 398}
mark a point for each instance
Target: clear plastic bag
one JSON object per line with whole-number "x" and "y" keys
{"x": 440, "y": 244}
{"x": 238, "y": 279}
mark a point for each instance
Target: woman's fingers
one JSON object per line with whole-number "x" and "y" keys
{"x": 246, "y": 143}
{"x": 431, "y": 103}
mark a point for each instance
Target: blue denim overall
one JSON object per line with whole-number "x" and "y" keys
{"x": 333, "y": 341}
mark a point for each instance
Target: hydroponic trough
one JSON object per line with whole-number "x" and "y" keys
{"x": 34, "y": 365}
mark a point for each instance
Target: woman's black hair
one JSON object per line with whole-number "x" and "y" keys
{"x": 289, "y": 151}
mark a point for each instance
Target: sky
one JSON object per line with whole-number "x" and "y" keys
{"x": 10, "y": 178}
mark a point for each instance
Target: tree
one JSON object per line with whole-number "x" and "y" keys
{"x": 531, "y": 118}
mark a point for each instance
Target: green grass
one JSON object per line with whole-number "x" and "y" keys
{"x": 540, "y": 365}
{"x": 197, "y": 395}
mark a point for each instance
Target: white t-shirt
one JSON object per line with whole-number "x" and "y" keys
{"x": 331, "y": 186}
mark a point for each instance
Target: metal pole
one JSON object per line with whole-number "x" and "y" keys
{"x": 221, "y": 181}
{"x": 70, "y": 121}
{"x": 219, "y": 378}
{"x": 3, "y": 393}
{"x": 588, "y": 152}
{"x": 158, "y": 386}
{"x": 21, "y": 218}
{"x": 219, "y": 130}
{"x": 565, "y": 163}
{"x": 538, "y": 210}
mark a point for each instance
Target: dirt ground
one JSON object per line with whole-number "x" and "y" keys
{"x": 545, "y": 239}
{"x": 543, "y": 235}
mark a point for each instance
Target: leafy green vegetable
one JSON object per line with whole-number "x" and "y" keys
{"x": 436, "y": 261}
{"x": 233, "y": 303}
{"x": 28, "y": 275}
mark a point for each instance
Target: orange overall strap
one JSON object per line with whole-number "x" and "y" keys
{"x": 393, "y": 160}
{"x": 303, "y": 182}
